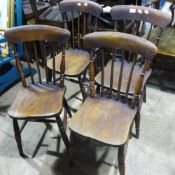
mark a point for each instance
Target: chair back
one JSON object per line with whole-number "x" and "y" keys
{"x": 112, "y": 41}
{"x": 82, "y": 15}
{"x": 137, "y": 17}
{"x": 35, "y": 39}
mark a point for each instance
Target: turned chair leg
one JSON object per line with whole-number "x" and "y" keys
{"x": 67, "y": 107}
{"x": 62, "y": 132}
{"x": 49, "y": 75}
{"x": 18, "y": 137}
{"x": 137, "y": 125}
{"x": 144, "y": 95}
{"x": 82, "y": 88}
{"x": 72, "y": 148}
{"x": 122, "y": 150}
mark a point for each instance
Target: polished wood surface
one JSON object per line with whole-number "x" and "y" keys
{"x": 84, "y": 6}
{"x": 141, "y": 13}
{"x": 121, "y": 40}
{"x": 103, "y": 119}
{"x": 28, "y": 33}
{"x": 76, "y": 62}
{"x": 37, "y": 101}
{"x": 126, "y": 73}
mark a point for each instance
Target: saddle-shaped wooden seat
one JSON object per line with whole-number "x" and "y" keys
{"x": 37, "y": 100}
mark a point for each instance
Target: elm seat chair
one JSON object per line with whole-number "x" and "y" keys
{"x": 83, "y": 14}
{"x": 138, "y": 15}
{"x": 38, "y": 100}
{"x": 105, "y": 117}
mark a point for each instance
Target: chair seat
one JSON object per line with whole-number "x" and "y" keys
{"x": 103, "y": 119}
{"x": 126, "y": 72}
{"x": 37, "y": 100}
{"x": 76, "y": 62}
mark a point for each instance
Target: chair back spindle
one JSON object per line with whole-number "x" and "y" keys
{"x": 35, "y": 39}
{"x": 126, "y": 42}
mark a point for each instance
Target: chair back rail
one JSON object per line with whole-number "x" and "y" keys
{"x": 126, "y": 42}
{"x": 36, "y": 39}
{"x": 139, "y": 15}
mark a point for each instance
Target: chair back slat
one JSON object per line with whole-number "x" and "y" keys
{"x": 130, "y": 77}
{"x": 112, "y": 72}
{"x": 84, "y": 24}
{"x": 91, "y": 75}
{"x": 102, "y": 71}
{"x": 43, "y": 56}
{"x": 128, "y": 43}
{"x": 26, "y": 49}
{"x": 62, "y": 66}
{"x": 53, "y": 61}
{"x": 73, "y": 26}
{"x": 121, "y": 74}
{"x": 37, "y": 62}
{"x": 78, "y": 27}
{"x": 35, "y": 49}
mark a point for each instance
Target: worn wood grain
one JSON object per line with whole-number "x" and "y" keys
{"x": 76, "y": 62}
{"x": 126, "y": 72}
{"x": 103, "y": 119}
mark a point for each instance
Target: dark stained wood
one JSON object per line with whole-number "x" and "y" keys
{"x": 37, "y": 100}
{"x": 28, "y": 33}
{"x": 103, "y": 119}
{"x": 121, "y": 40}
{"x": 141, "y": 13}
{"x": 127, "y": 68}
{"x": 84, "y": 6}
{"x": 76, "y": 62}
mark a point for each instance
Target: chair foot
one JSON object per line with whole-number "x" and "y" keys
{"x": 62, "y": 132}
{"x": 137, "y": 125}
{"x": 121, "y": 158}
{"x": 18, "y": 137}
{"x": 73, "y": 140}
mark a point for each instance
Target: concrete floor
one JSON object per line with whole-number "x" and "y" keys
{"x": 152, "y": 154}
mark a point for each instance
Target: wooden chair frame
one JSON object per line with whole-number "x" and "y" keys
{"x": 28, "y": 103}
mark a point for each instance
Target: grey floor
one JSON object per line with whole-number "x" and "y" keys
{"x": 152, "y": 154}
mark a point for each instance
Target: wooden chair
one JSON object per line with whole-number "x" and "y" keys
{"x": 38, "y": 100}
{"x": 81, "y": 13}
{"x": 105, "y": 117}
{"x": 138, "y": 15}
{"x": 51, "y": 16}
